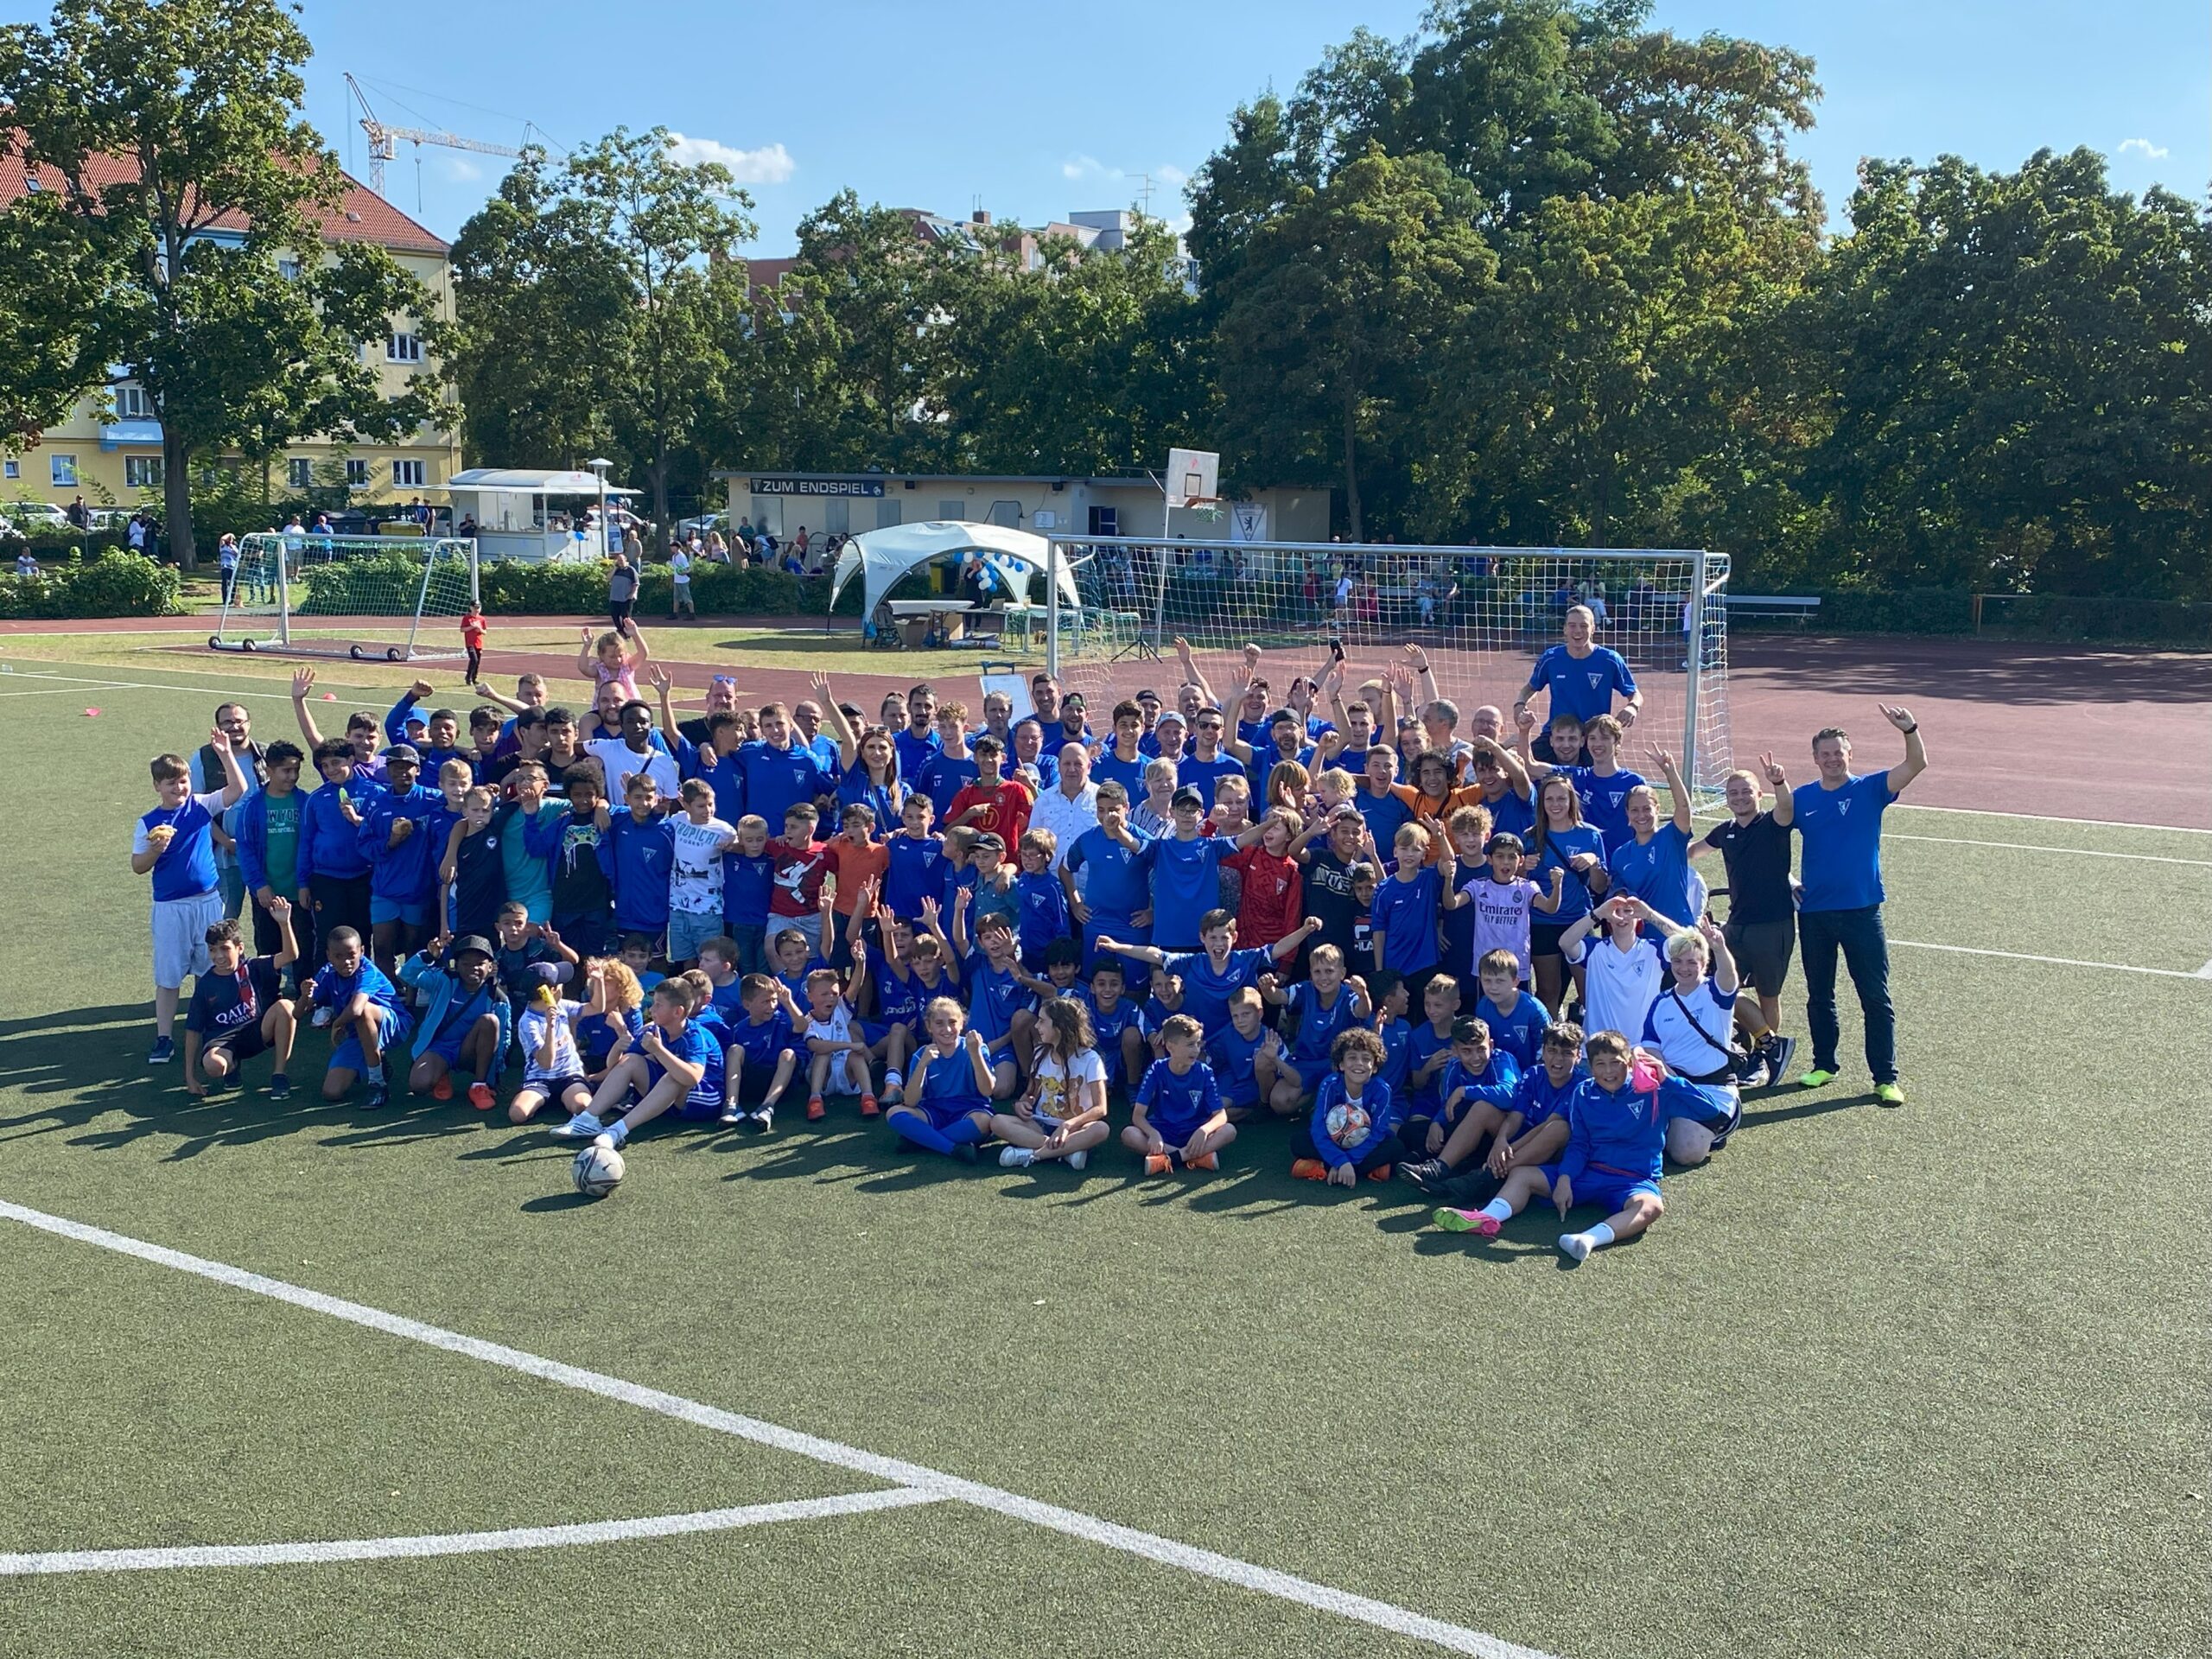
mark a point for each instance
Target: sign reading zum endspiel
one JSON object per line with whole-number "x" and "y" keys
{"x": 817, "y": 487}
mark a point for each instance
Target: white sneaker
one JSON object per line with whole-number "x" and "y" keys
{"x": 582, "y": 1126}
{"x": 1016, "y": 1158}
{"x": 1078, "y": 1159}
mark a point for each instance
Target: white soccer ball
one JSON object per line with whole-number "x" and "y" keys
{"x": 1348, "y": 1124}
{"x": 597, "y": 1171}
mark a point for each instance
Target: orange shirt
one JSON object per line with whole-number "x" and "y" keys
{"x": 1427, "y": 806}
{"x": 856, "y": 866}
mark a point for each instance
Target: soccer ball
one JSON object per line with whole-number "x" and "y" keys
{"x": 597, "y": 1171}
{"x": 1348, "y": 1124}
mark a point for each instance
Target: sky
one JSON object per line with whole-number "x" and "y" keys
{"x": 1032, "y": 111}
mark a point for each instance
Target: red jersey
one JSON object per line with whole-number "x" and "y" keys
{"x": 799, "y": 871}
{"x": 1007, "y": 806}
{"x": 1273, "y": 891}
{"x": 472, "y": 630}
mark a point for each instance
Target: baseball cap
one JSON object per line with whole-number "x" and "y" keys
{"x": 992, "y": 839}
{"x": 1188, "y": 797}
{"x": 1148, "y": 696}
{"x": 1342, "y": 810}
{"x": 467, "y": 942}
{"x": 406, "y": 752}
{"x": 1166, "y": 715}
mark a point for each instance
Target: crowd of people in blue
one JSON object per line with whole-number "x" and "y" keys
{"x": 1477, "y": 956}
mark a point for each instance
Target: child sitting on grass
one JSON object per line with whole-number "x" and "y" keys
{"x": 357, "y": 1000}
{"x": 552, "y": 1068}
{"x": 946, "y": 1112}
{"x": 1352, "y": 1130}
{"x": 238, "y": 1008}
{"x": 837, "y": 1042}
{"x": 1063, "y": 1115}
{"x": 763, "y": 1040}
{"x": 1531, "y": 1126}
{"x": 668, "y": 1069}
{"x": 1179, "y": 1121}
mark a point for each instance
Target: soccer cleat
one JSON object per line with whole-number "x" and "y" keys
{"x": 1889, "y": 1094}
{"x": 1817, "y": 1078}
{"x": 1576, "y": 1246}
{"x": 1309, "y": 1169}
{"x": 1380, "y": 1173}
{"x": 815, "y": 1109}
{"x": 1756, "y": 1073}
{"x": 762, "y": 1120}
{"x": 1157, "y": 1163}
{"x": 1425, "y": 1174}
{"x": 443, "y": 1088}
{"x": 868, "y": 1107}
{"x": 731, "y": 1113}
{"x": 1078, "y": 1159}
{"x": 379, "y": 1097}
{"x": 1779, "y": 1052}
{"x": 163, "y": 1051}
{"x": 1467, "y": 1221}
{"x": 1204, "y": 1160}
{"x": 479, "y": 1096}
{"x": 280, "y": 1087}
{"x": 582, "y": 1126}
{"x": 965, "y": 1152}
{"x": 1016, "y": 1158}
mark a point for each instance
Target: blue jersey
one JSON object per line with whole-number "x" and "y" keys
{"x": 1405, "y": 915}
{"x": 1605, "y": 801}
{"x": 1043, "y": 913}
{"x": 1539, "y": 1100}
{"x": 760, "y": 1044}
{"x": 1318, "y": 1026}
{"x": 186, "y": 868}
{"x": 636, "y": 858}
{"x": 1496, "y": 1085}
{"x": 1841, "y": 829}
{"x": 941, "y": 778}
{"x": 1385, "y": 815}
{"x": 1202, "y": 775}
{"x": 914, "y": 752}
{"x": 1107, "y": 1026}
{"x": 916, "y": 870}
{"x": 1233, "y": 1057}
{"x": 1559, "y": 846}
{"x": 899, "y": 995}
{"x": 332, "y": 989}
{"x": 1423, "y": 1044}
{"x": 1178, "y": 1106}
{"x": 1582, "y": 686}
{"x": 1381, "y": 1103}
{"x": 223, "y": 1003}
{"x": 693, "y": 1044}
{"x": 948, "y": 1083}
{"x": 1617, "y": 1133}
{"x": 779, "y": 779}
{"x": 1110, "y": 768}
{"x": 1397, "y": 1057}
{"x": 407, "y": 873}
{"x": 1511, "y": 814}
{"x": 1185, "y": 884}
{"x": 995, "y": 997}
{"x": 595, "y": 1034}
{"x": 329, "y": 844}
{"x": 1656, "y": 871}
{"x": 1519, "y": 1030}
{"x": 1117, "y": 886}
{"x": 1207, "y": 993}
{"x": 748, "y": 882}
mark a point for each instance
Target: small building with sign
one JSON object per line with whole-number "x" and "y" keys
{"x": 850, "y": 503}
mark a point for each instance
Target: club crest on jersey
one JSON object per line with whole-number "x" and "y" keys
{"x": 1843, "y": 808}
{"x": 1594, "y": 680}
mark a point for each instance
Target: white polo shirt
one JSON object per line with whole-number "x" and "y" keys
{"x": 1619, "y": 986}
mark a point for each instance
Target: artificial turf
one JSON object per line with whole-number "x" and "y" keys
{"x": 1924, "y": 1381}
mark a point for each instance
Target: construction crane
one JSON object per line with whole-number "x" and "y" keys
{"x": 383, "y": 139}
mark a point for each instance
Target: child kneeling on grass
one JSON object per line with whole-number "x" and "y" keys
{"x": 238, "y": 1008}
{"x": 361, "y": 1006}
{"x": 1616, "y": 1145}
{"x": 1179, "y": 1121}
{"x": 1063, "y": 1115}
{"x": 674, "y": 1064}
{"x": 945, "y": 1110}
{"x": 1353, "y": 1130}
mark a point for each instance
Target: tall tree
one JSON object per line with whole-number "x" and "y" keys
{"x": 185, "y": 172}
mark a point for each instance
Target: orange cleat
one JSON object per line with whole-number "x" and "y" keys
{"x": 815, "y": 1109}
{"x": 1204, "y": 1160}
{"x": 443, "y": 1088}
{"x": 1157, "y": 1163}
{"x": 868, "y": 1107}
{"x": 1309, "y": 1169}
{"x": 1380, "y": 1173}
{"x": 480, "y": 1096}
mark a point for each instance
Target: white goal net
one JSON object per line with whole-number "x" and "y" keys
{"x": 359, "y": 596}
{"x": 1480, "y": 615}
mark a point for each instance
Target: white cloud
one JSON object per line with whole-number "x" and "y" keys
{"x": 1168, "y": 179}
{"x": 1168, "y": 173}
{"x": 2153, "y": 152}
{"x": 770, "y": 164}
{"x": 1086, "y": 167}
{"x": 461, "y": 168}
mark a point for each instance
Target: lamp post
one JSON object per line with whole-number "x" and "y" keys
{"x": 599, "y": 465}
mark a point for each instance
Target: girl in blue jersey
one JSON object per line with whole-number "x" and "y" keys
{"x": 951, "y": 1084}
{"x": 1561, "y": 841}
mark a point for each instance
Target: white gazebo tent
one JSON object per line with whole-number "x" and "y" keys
{"x": 883, "y": 557}
{"x": 531, "y": 514}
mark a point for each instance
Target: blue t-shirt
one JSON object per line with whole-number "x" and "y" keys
{"x": 778, "y": 779}
{"x": 1202, "y": 775}
{"x": 1107, "y": 1027}
{"x": 941, "y": 778}
{"x": 1582, "y": 687}
{"x": 748, "y": 883}
{"x": 1233, "y": 1059}
{"x": 186, "y": 868}
{"x": 595, "y": 1034}
{"x": 1423, "y": 1046}
{"x": 1605, "y": 801}
{"x": 1511, "y": 814}
{"x": 1397, "y": 1057}
{"x": 1110, "y": 768}
{"x": 993, "y": 997}
{"x": 1518, "y": 1032}
{"x": 854, "y": 789}
{"x": 1118, "y": 886}
{"x": 1656, "y": 871}
{"x": 1205, "y": 992}
{"x": 1561, "y": 845}
{"x": 693, "y": 1046}
{"x": 898, "y": 997}
{"x": 223, "y": 1003}
{"x": 914, "y": 752}
{"x": 1176, "y": 1106}
{"x": 915, "y": 870}
{"x": 1043, "y": 912}
{"x": 1841, "y": 866}
{"x": 1318, "y": 1027}
{"x": 1185, "y": 884}
{"x": 760, "y": 1045}
{"x": 1405, "y": 914}
{"x": 1385, "y": 815}
{"x": 1496, "y": 1085}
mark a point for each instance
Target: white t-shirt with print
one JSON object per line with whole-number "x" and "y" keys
{"x": 694, "y": 875}
{"x": 1059, "y": 1085}
{"x": 1619, "y": 986}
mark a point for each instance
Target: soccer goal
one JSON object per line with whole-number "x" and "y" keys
{"x": 358, "y": 596}
{"x": 1481, "y": 614}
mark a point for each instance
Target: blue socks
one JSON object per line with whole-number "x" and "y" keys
{"x": 911, "y": 1126}
{"x": 966, "y": 1133}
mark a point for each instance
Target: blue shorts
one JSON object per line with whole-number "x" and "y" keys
{"x": 1608, "y": 1193}
{"x": 391, "y": 910}
{"x": 941, "y": 1115}
{"x": 688, "y": 930}
{"x": 693, "y": 1109}
{"x": 874, "y": 1031}
{"x": 1176, "y": 1132}
{"x": 447, "y": 1046}
{"x": 392, "y": 1027}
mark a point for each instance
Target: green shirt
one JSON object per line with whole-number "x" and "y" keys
{"x": 284, "y": 844}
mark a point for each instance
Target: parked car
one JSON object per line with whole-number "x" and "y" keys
{"x": 702, "y": 523}
{"x": 37, "y": 515}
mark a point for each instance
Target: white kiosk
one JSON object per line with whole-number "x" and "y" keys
{"x": 536, "y": 516}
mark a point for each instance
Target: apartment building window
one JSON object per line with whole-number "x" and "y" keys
{"x": 62, "y": 471}
{"x": 406, "y": 474}
{"x": 289, "y": 270}
{"x": 13, "y": 468}
{"x": 357, "y": 474}
{"x": 133, "y": 404}
{"x": 403, "y": 348}
{"x": 141, "y": 472}
{"x": 299, "y": 472}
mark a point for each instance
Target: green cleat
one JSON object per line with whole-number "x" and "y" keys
{"x": 1889, "y": 1094}
{"x": 1816, "y": 1080}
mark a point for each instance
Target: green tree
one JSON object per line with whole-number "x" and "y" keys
{"x": 198, "y": 100}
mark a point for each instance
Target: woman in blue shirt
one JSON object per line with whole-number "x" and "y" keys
{"x": 1654, "y": 862}
{"x": 1561, "y": 841}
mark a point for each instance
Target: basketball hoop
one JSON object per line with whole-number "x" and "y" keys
{"x": 1193, "y": 478}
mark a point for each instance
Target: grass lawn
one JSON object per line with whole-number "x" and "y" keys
{"x": 1924, "y": 1381}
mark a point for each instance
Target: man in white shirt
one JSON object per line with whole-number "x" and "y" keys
{"x": 1071, "y": 806}
{"x": 679, "y": 570}
{"x": 634, "y": 752}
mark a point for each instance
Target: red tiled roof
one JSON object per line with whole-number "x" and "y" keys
{"x": 363, "y": 216}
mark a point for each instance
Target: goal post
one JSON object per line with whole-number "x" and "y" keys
{"x": 357, "y": 596}
{"x": 1482, "y": 615}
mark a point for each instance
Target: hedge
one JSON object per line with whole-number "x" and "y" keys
{"x": 111, "y": 583}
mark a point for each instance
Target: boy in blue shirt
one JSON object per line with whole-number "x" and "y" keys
{"x": 636, "y": 853}
{"x": 763, "y": 1040}
{"x": 1044, "y": 905}
{"x": 1117, "y": 889}
{"x": 668, "y": 1068}
{"x": 748, "y": 892}
{"x": 1386, "y": 992}
{"x": 1000, "y": 1009}
{"x": 1324, "y": 1005}
{"x": 357, "y": 1000}
{"x": 1516, "y": 1019}
{"x": 175, "y": 845}
{"x": 1185, "y": 870}
{"x": 1428, "y": 1051}
{"x": 399, "y": 837}
{"x": 1532, "y": 1129}
{"x": 465, "y": 1023}
{"x": 915, "y": 869}
{"x": 237, "y": 1006}
{"x": 1179, "y": 1121}
{"x": 1479, "y": 1083}
{"x": 1409, "y": 904}
{"x": 1211, "y": 975}
{"x": 1116, "y": 1025}
{"x": 1242, "y": 1055}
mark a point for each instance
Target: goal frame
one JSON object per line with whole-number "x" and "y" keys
{"x": 234, "y": 631}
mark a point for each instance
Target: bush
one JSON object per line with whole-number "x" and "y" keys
{"x": 110, "y": 584}
{"x": 512, "y": 588}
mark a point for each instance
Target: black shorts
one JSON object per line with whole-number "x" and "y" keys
{"x": 1762, "y": 950}
{"x": 241, "y": 1043}
{"x": 1543, "y": 939}
{"x": 554, "y": 1088}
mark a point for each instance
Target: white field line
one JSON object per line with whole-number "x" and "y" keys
{"x": 2205, "y": 972}
{"x": 148, "y": 685}
{"x": 2038, "y": 817}
{"x": 2059, "y": 852}
{"x": 1382, "y": 1615}
{"x": 459, "y": 1543}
